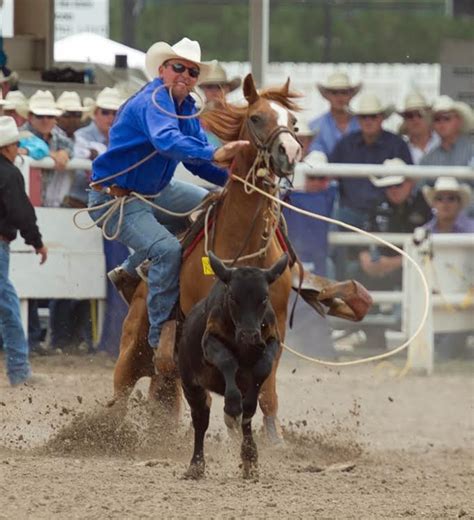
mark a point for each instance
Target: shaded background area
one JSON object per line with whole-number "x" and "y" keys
{"x": 375, "y": 31}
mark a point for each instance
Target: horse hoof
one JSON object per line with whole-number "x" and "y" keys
{"x": 273, "y": 431}
{"x": 194, "y": 472}
{"x": 233, "y": 423}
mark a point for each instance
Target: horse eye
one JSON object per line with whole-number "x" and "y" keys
{"x": 255, "y": 119}
{"x": 296, "y": 129}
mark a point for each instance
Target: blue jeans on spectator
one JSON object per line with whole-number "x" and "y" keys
{"x": 150, "y": 233}
{"x": 11, "y": 329}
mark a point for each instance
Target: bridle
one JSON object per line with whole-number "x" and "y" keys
{"x": 264, "y": 147}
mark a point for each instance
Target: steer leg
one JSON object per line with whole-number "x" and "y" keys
{"x": 248, "y": 450}
{"x": 200, "y": 403}
{"x": 216, "y": 353}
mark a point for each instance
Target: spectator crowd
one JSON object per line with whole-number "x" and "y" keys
{"x": 434, "y": 133}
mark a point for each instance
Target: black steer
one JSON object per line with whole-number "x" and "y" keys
{"x": 228, "y": 345}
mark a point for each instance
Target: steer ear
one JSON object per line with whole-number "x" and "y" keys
{"x": 222, "y": 272}
{"x": 276, "y": 270}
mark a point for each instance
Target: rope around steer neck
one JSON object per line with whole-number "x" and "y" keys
{"x": 426, "y": 290}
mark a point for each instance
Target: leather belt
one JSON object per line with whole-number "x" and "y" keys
{"x": 115, "y": 191}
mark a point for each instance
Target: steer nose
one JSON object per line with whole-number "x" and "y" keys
{"x": 249, "y": 337}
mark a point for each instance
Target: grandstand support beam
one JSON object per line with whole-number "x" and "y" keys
{"x": 259, "y": 39}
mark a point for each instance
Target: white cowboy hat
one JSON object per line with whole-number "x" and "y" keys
{"x": 69, "y": 101}
{"x": 218, "y": 76}
{"x": 414, "y": 100}
{"x": 16, "y": 100}
{"x": 391, "y": 180}
{"x": 303, "y": 169}
{"x": 185, "y": 49}
{"x": 42, "y": 104}
{"x": 338, "y": 81}
{"x": 368, "y": 104}
{"x": 447, "y": 184}
{"x": 8, "y": 131}
{"x": 108, "y": 99}
{"x": 447, "y": 104}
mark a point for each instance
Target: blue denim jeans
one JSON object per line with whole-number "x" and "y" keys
{"x": 150, "y": 234}
{"x": 11, "y": 329}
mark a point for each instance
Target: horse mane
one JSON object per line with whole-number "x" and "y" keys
{"x": 225, "y": 119}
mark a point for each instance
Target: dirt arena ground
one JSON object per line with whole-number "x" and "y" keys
{"x": 360, "y": 444}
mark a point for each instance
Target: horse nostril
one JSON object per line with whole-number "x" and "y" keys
{"x": 281, "y": 149}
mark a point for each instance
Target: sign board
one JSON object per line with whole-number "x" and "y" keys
{"x": 76, "y": 16}
{"x": 457, "y": 70}
{"x": 6, "y": 18}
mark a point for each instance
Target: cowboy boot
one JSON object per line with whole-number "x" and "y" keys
{"x": 163, "y": 356}
{"x": 125, "y": 283}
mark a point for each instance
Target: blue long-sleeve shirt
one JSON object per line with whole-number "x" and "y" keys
{"x": 328, "y": 134}
{"x": 140, "y": 128}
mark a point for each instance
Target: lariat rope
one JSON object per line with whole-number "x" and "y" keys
{"x": 426, "y": 291}
{"x": 118, "y": 203}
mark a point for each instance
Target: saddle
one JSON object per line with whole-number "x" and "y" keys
{"x": 348, "y": 300}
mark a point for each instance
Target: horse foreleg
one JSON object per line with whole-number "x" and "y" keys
{"x": 268, "y": 401}
{"x": 165, "y": 388}
{"x": 135, "y": 357}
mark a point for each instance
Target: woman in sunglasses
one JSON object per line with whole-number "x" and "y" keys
{"x": 147, "y": 141}
{"x": 417, "y": 126}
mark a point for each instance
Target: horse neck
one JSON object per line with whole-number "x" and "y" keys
{"x": 239, "y": 212}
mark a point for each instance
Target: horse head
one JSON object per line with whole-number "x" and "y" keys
{"x": 270, "y": 126}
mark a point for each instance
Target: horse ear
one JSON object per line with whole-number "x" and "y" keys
{"x": 250, "y": 91}
{"x": 285, "y": 90}
{"x": 221, "y": 271}
{"x": 276, "y": 270}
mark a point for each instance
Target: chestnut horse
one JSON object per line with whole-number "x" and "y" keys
{"x": 243, "y": 233}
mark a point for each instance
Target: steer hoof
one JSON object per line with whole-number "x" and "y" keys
{"x": 249, "y": 470}
{"x": 233, "y": 423}
{"x": 194, "y": 472}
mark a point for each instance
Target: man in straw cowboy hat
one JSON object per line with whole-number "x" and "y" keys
{"x": 216, "y": 84}
{"x": 402, "y": 210}
{"x": 149, "y": 122}
{"x": 370, "y": 145}
{"x": 71, "y": 118}
{"x": 92, "y": 140}
{"x": 42, "y": 122}
{"x": 449, "y": 200}
{"x": 452, "y": 121}
{"x": 16, "y": 214}
{"x": 417, "y": 126}
{"x": 333, "y": 125}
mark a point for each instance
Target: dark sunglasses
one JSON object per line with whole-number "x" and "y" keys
{"x": 106, "y": 112}
{"x": 44, "y": 117}
{"x": 179, "y": 68}
{"x": 442, "y": 117}
{"x": 412, "y": 115}
{"x": 72, "y": 114}
{"x": 447, "y": 198}
{"x": 368, "y": 116}
{"x": 340, "y": 92}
